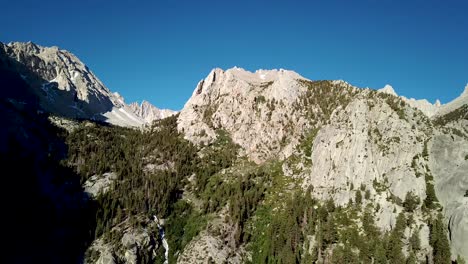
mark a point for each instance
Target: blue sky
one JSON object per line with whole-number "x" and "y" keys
{"x": 158, "y": 50}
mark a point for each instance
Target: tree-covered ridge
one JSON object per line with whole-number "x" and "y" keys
{"x": 455, "y": 115}
{"x": 322, "y": 98}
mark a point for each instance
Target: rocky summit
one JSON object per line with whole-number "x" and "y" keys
{"x": 258, "y": 167}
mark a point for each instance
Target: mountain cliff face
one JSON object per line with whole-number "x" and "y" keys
{"x": 65, "y": 86}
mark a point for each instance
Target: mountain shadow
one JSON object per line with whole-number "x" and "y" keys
{"x": 46, "y": 216}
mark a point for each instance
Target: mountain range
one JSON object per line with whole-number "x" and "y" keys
{"x": 283, "y": 168}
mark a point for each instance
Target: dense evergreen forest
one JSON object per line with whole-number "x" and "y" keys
{"x": 270, "y": 214}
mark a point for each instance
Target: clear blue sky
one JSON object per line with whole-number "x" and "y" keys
{"x": 158, "y": 50}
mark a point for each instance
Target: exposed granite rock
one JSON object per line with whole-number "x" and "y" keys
{"x": 99, "y": 184}
{"x": 214, "y": 245}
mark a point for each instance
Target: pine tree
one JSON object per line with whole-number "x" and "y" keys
{"x": 411, "y": 202}
{"x": 367, "y": 194}
{"x": 412, "y": 258}
{"x": 439, "y": 241}
{"x": 395, "y": 244}
{"x": 431, "y": 197}
{"x": 344, "y": 254}
{"x": 380, "y": 256}
{"x": 358, "y": 198}
{"x": 415, "y": 241}
{"x": 330, "y": 233}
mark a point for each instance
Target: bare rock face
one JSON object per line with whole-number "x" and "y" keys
{"x": 65, "y": 85}
{"x": 449, "y": 162}
{"x": 366, "y": 142}
{"x": 458, "y": 227}
{"x": 149, "y": 112}
{"x": 215, "y": 244}
{"x": 103, "y": 253}
{"x": 106, "y": 257}
{"x": 208, "y": 249}
{"x": 133, "y": 243}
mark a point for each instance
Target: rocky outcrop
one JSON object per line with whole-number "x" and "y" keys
{"x": 214, "y": 245}
{"x": 102, "y": 253}
{"x": 97, "y": 184}
{"x": 458, "y": 226}
{"x": 106, "y": 258}
{"x": 133, "y": 244}
{"x": 208, "y": 249}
